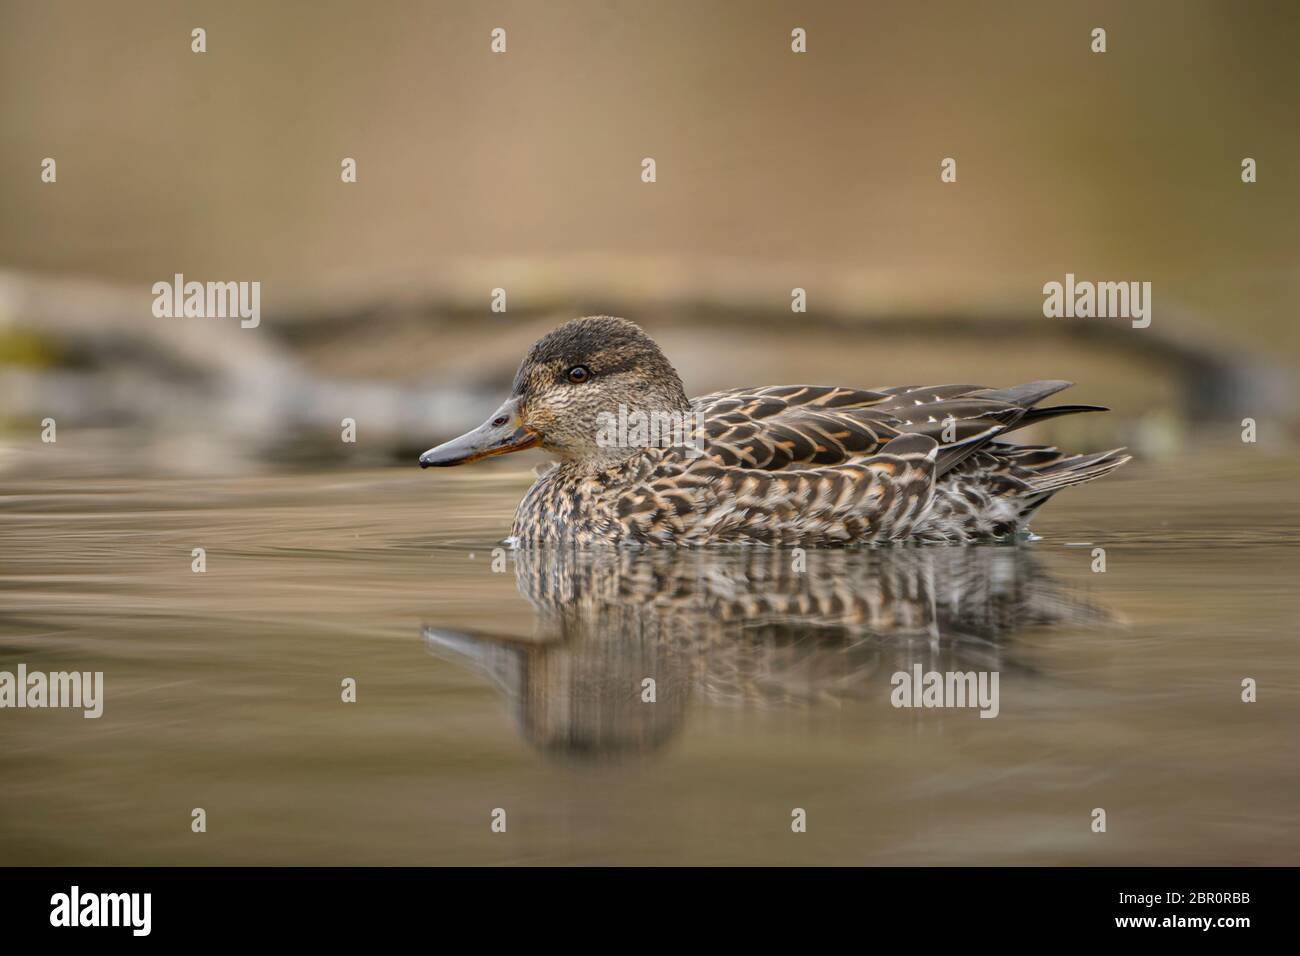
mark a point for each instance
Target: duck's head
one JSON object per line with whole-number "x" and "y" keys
{"x": 568, "y": 385}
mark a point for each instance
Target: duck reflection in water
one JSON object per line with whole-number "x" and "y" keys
{"x": 746, "y": 627}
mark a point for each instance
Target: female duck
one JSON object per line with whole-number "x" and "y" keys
{"x": 777, "y": 465}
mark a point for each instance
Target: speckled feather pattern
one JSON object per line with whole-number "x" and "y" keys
{"x": 787, "y": 465}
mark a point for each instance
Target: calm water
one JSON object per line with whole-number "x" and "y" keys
{"x": 520, "y": 686}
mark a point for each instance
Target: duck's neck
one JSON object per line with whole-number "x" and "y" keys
{"x": 589, "y": 465}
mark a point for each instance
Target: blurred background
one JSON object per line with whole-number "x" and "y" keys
{"x": 522, "y": 171}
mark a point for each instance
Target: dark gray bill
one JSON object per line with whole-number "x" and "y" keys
{"x": 499, "y": 435}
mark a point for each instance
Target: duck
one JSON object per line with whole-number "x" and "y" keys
{"x": 638, "y": 463}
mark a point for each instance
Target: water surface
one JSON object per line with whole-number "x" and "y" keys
{"x": 487, "y": 679}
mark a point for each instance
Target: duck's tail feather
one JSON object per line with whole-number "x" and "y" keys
{"x": 1056, "y": 411}
{"x": 952, "y": 455}
{"x": 1075, "y": 471}
{"x": 1000, "y": 411}
{"x": 1030, "y": 393}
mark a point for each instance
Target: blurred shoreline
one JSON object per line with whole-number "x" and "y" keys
{"x": 199, "y": 394}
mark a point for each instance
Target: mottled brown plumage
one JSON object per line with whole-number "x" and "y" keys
{"x": 769, "y": 465}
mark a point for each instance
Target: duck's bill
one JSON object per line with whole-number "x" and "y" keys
{"x": 501, "y": 434}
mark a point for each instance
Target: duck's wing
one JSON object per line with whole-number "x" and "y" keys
{"x": 696, "y": 500}
{"x": 784, "y": 427}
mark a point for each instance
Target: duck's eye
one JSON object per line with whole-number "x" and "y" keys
{"x": 578, "y": 374}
